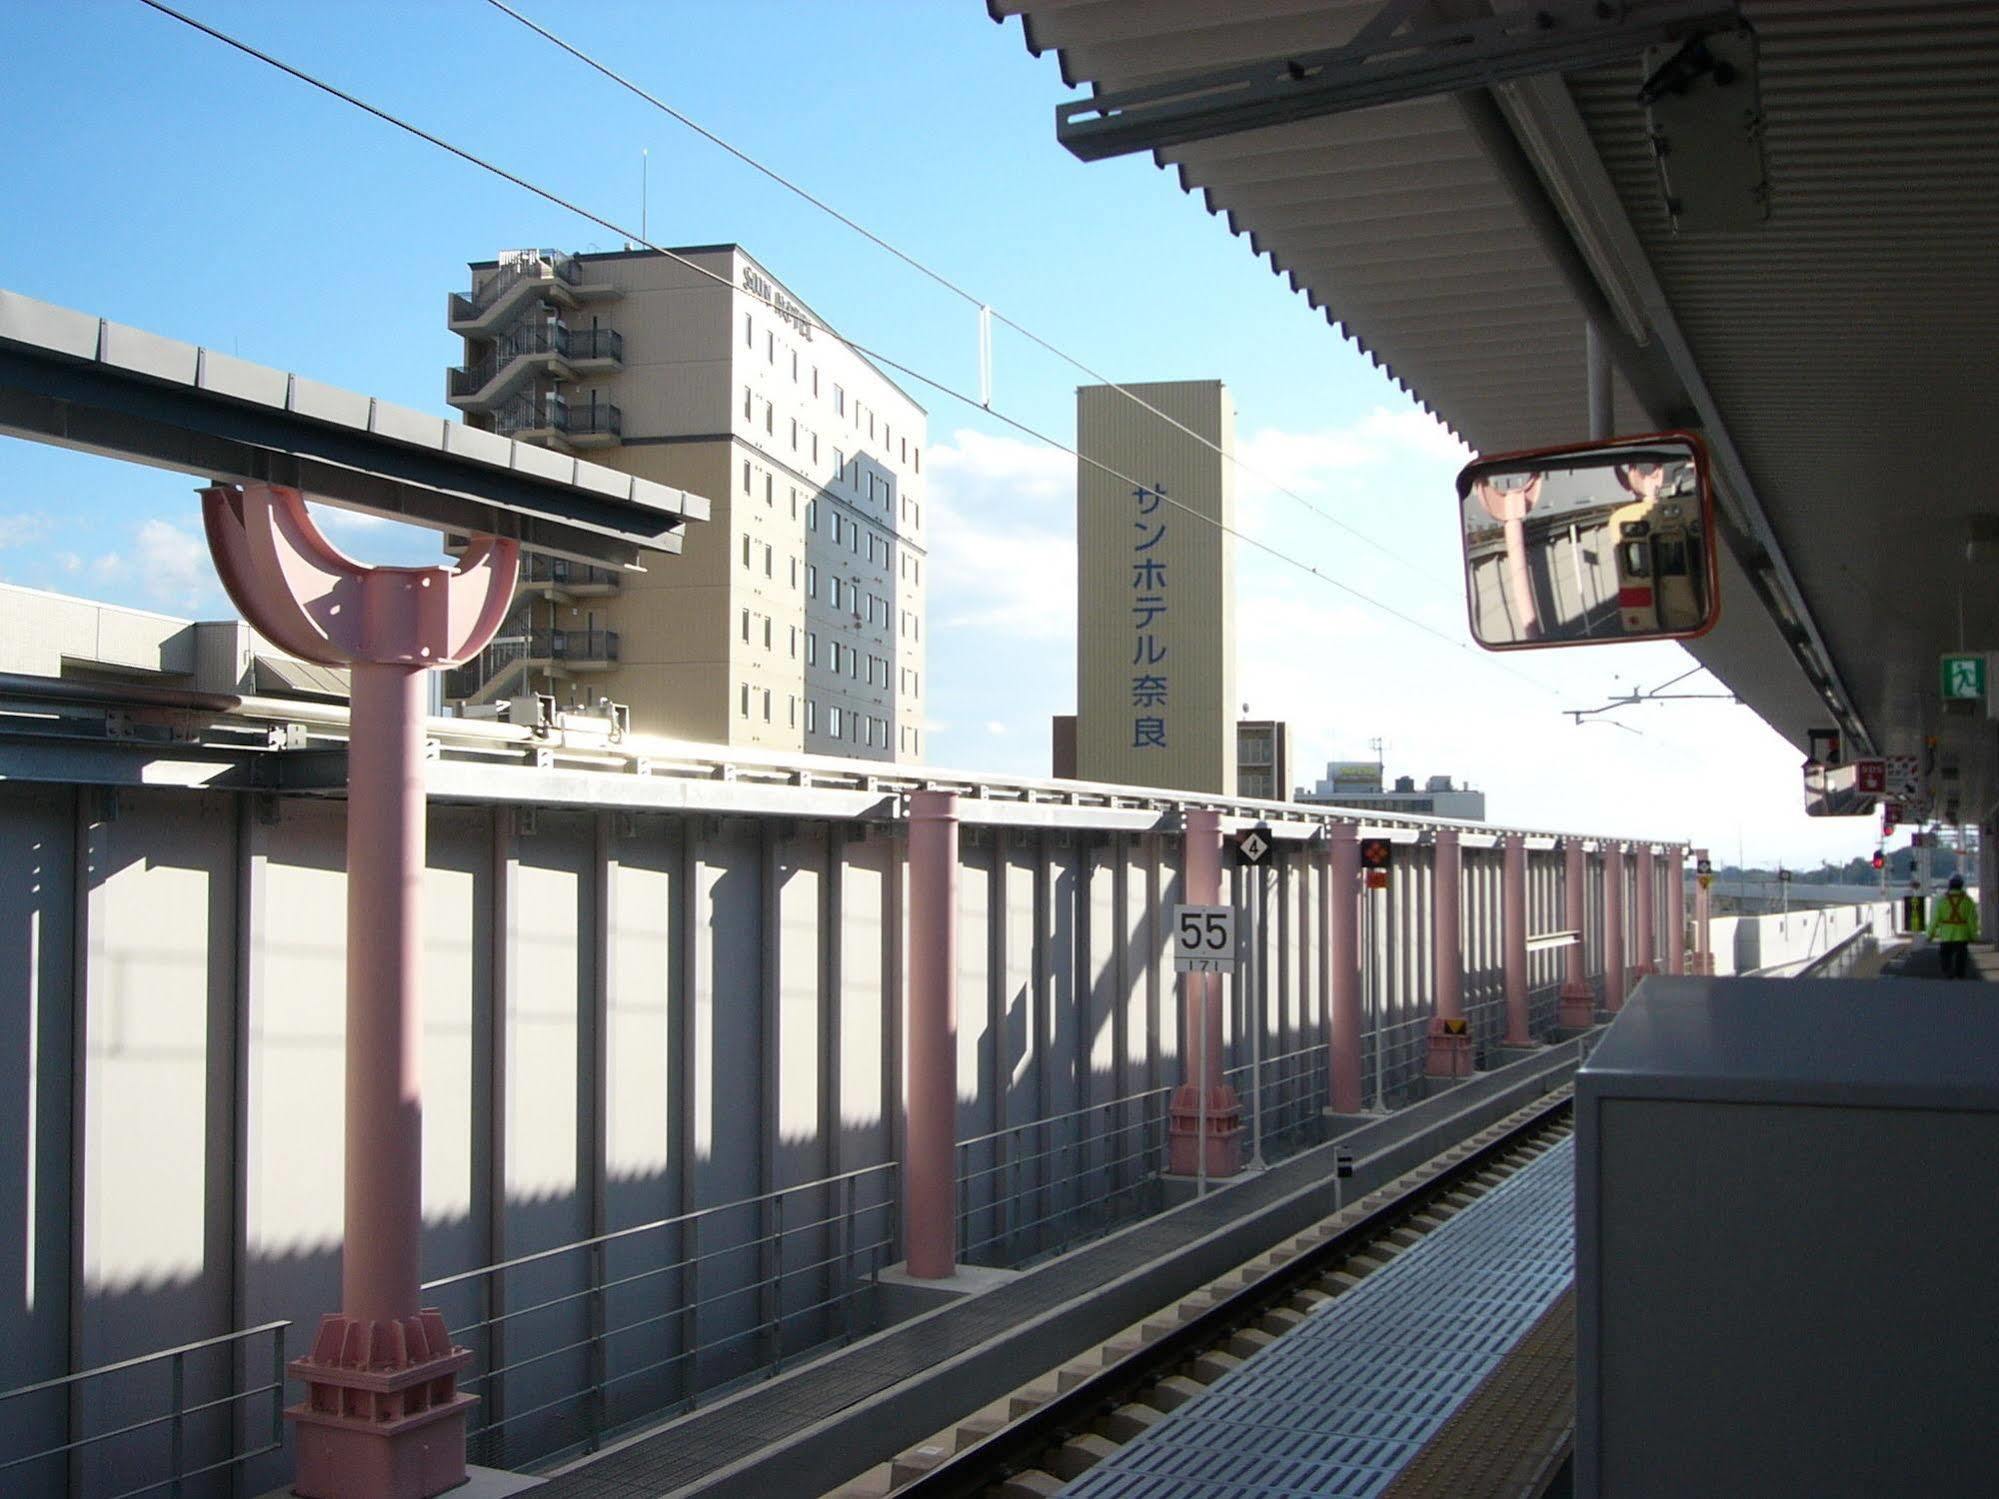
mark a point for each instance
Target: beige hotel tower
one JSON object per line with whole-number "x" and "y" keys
{"x": 794, "y": 618}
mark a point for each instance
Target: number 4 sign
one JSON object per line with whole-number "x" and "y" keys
{"x": 1204, "y": 939}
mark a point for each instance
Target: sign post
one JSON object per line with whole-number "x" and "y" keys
{"x": 1253, "y": 847}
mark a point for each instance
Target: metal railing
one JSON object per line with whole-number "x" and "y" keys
{"x": 539, "y": 567}
{"x": 1050, "y": 1183}
{"x": 167, "y": 1450}
{"x": 552, "y": 413}
{"x": 465, "y": 681}
{"x": 1296, "y": 1090}
{"x": 573, "y": 1343}
{"x": 573, "y": 645}
{"x": 465, "y": 307}
{"x": 528, "y": 340}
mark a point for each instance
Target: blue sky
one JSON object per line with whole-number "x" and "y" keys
{"x": 157, "y": 178}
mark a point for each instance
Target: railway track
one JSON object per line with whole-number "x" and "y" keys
{"x": 1059, "y": 1425}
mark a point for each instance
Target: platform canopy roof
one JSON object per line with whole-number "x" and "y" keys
{"x": 1841, "y": 356}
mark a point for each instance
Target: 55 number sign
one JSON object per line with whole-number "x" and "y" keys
{"x": 1204, "y": 939}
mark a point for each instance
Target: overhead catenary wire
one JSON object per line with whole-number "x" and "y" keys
{"x": 986, "y": 308}
{"x": 624, "y": 232}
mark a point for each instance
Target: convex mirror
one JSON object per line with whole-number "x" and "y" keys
{"x": 1588, "y": 545}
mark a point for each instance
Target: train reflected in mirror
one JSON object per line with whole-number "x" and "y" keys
{"x": 1590, "y": 545}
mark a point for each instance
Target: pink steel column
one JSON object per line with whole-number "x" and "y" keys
{"x": 1613, "y": 927}
{"x": 930, "y": 1091}
{"x": 1578, "y": 1001}
{"x": 1703, "y": 938}
{"x": 1676, "y": 910}
{"x": 383, "y": 1417}
{"x": 1450, "y": 1039}
{"x": 1343, "y": 956}
{"x": 1513, "y": 937}
{"x": 1201, "y": 1033}
{"x": 1647, "y": 896}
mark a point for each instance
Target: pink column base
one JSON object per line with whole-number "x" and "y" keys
{"x": 1223, "y": 1132}
{"x": 383, "y": 1417}
{"x": 1577, "y": 1010}
{"x": 1450, "y": 1056}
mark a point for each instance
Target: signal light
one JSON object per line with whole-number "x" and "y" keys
{"x": 1879, "y": 860}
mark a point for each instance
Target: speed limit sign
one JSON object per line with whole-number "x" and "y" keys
{"x": 1204, "y": 939}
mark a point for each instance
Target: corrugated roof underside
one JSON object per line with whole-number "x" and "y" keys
{"x": 1391, "y": 221}
{"x": 1850, "y": 341}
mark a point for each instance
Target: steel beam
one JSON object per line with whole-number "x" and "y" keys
{"x": 1380, "y": 68}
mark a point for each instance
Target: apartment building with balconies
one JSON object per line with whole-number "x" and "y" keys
{"x": 795, "y": 618}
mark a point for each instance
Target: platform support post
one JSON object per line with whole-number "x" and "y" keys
{"x": 1645, "y": 912}
{"x": 1578, "y": 1002}
{"x": 383, "y": 1416}
{"x": 1452, "y": 1051}
{"x": 1613, "y": 927}
{"x": 1703, "y": 934}
{"x": 1342, "y": 956}
{"x": 1513, "y": 937}
{"x": 930, "y": 1088}
{"x": 1676, "y": 910}
{"x": 1204, "y": 1128}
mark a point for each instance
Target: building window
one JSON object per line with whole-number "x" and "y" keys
{"x": 766, "y": 705}
{"x": 840, "y": 399}
{"x": 811, "y": 716}
{"x": 749, "y": 332}
{"x": 746, "y": 549}
{"x": 916, "y": 572}
{"x": 746, "y": 625}
{"x": 767, "y": 641}
{"x": 770, "y": 418}
{"x": 794, "y": 642}
{"x": 794, "y": 366}
{"x": 815, "y": 379}
{"x": 770, "y": 560}
{"x": 770, "y": 347}
{"x": 748, "y": 410}
{"x": 746, "y": 476}
{"x": 833, "y": 720}
{"x": 811, "y": 515}
{"x": 794, "y": 574}
{"x": 838, "y": 522}
{"x": 791, "y": 709}
{"x": 815, "y": 447}
{"x": 919, "y": 458}
{"x": 746, "y": 699}
{"x": 811, "y": 647}
{"x": 794, "y": 434}
{"x": 905, "y": 450}
{"x": 811, "y": 581}
{"x": 915, "y": 742}
{"x": 839, "y": 463}
{"x": 833, "y": 592}
{"x": 794, "y": 502}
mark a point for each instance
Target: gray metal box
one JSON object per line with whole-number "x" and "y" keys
{"x": 1787, "y": 1241}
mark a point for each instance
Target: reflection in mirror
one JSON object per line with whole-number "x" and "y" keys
{"x": 1588, "y": 545}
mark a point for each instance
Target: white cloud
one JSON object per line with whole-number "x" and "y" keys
{"x": 20, "y": 530}
{"x": 994, "y": 726}
{"x": 998, "y": 565}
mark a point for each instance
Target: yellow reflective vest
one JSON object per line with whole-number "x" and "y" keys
{"x": 1956, "y": 919}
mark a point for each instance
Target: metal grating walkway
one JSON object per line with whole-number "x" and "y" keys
{"x": 1343, "y": 1403}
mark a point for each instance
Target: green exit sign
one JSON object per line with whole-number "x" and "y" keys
{"x": 1963, "y": 677}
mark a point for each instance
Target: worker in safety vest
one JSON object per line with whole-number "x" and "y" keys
{"x": 1953, "y": 927}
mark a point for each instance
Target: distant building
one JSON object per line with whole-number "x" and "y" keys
{"x": 1263, "y": 758}
{"x": 1352, "y": 783}
{"x": 794, "y": 617}
{"x": 80, "y": 640}
{"x": 1155, "y": 582}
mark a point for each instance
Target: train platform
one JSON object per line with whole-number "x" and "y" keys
{"x": 1449, "y": 1372}
{"x": 861, "y": 1404}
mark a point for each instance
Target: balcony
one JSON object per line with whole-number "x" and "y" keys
{"x": 506, "y": 663}
{"x": 546, "y": 350}
{"x": 499, "y": 299}
{"x": 555, "y": 420}
{"x": 575, "y": 650}
{"x": 561, "y": 577}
